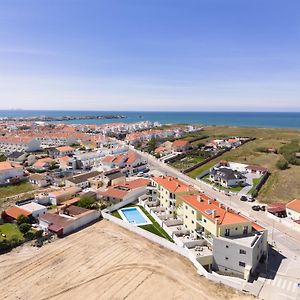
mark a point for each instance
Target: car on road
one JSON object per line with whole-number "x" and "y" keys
{"x": 243, "y": 198}
{"x": 256, "y": 207}
{"x": 250, "y": 199}
{"x": 263, "y": 208}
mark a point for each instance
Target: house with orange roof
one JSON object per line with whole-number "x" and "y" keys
{"x": 181, "y": 146}
{"x": 11, "y": 143}
{"x": 293, "y": 210}
{"x": 126, "y": 192}
{"x": 43, "y": 163}
{"x": 64, "y": 151}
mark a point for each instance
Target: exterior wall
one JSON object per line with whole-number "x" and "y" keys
{"x": 190, "y": 217}
{"x": 82, "y": 221}
{"x": 234, "y": 257}
{"x": 33, "y": 145}
{"x": 235, "y": 229}
{"x": 82, "y": 185}
{"x": 39, "y": 212}
{"x": 292, "y": 214}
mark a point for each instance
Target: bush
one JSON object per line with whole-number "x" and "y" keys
{"x": 282, "y": 164}
{"x": 24, "y": 227}
{"x": 22, "y": 219}
{"x": 86, "y": 202}
{"x": 29, "y": 235}
{"x": 39, "y": 233}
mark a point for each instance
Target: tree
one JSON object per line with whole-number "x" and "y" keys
{"x": 282, "y": 164}
{"x": 22, "y": 219}
{"x": 86, "y": 202}
{"x": 24, "y": 227}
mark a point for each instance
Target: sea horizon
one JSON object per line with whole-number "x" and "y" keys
{"x": 263, "y": 119}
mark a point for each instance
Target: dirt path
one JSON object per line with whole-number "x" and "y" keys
{"x": 103, "y": 261}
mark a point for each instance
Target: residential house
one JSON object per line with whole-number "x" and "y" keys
{"x": 11, "y": 214}
{"x": 181, "y": 146}
{"x": 227, "y": 177}
{"x": 126, "y": 192}
{"x": 43, "y": 164}
{"x": 83, "y": 180}
{"x": 11, "y": 173}
{"x": 64, "y": 151}
{"x": 41, "y": 180}
{"x": 113, "y": 177}
{"x": 68, "y": 220}
{"x": 11, "y": 143}
{"x": 36, "y": 210}
{"x": 56, "y": 197}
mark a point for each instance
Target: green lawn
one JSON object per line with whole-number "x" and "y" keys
{"x": 153, "y": 228}
{"x": 11, "y": 231}
{"x": 11, "y": 190}
{"x": 186, "y": 162}
{"x": 255, "y": 182}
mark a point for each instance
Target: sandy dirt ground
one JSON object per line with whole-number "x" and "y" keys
{"x": 103, "y": 261}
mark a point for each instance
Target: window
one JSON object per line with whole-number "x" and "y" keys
{"x": 186, "y": 207}
{"x": 186, "y": 217}
{"x": 245, "y": 230}
{"x": 242, "y": 251}
{"x": 226, "y": 258}
{"x": 242, "y": 264}
{"x": 193, "y": 212}
{"x": 227, "y": 232}
{"x": 227, "y": 246}
{"x": 193, "y": 222}
{"x": 204, "y": 220}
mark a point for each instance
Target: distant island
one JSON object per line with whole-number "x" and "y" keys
{"x": 63, "y": 118}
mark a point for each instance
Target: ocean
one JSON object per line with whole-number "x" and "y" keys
{"x": 243, "y": 119}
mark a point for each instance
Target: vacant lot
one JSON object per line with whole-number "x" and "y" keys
{"x": 12, "y": 190}
{"x": 282, "y": 185}
{"x": 104, "y": 261}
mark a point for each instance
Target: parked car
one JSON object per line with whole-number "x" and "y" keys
{"x": 250, "y": 199}
{"x": 256, "y": 207}
{"x": 263, "y": 208}
{"x": 243, "y": 198}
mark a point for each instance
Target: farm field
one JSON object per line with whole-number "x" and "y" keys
{"x": 282, "y": 185}
{"x": 104, "y": 261}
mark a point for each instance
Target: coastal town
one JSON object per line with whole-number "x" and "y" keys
{"x": 177, "y": 186}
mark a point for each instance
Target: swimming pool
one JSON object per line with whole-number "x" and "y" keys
{"x": 134, "y": 216}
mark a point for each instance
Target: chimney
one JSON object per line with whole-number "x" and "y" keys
{"x": 199, "y": 198}
{"x": 208, "y": 201}
{"x": 213, "y": 213}
{"x": 220, "y": 204}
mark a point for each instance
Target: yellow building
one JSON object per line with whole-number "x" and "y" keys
{"x": 200, "y": 213}
{"x": 168, "y": 190}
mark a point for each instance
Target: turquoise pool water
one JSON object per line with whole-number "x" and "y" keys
{"x": 134, "y": 216}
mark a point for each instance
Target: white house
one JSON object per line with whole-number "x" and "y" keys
{"x": 293, "y": 210}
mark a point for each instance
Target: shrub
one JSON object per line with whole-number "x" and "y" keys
{"x": 39, "y": 233}
{"x": 24, "y": 227}
{"x": 86, "y": 202}
{"x": 282, "y": 164}
{"x": 22, "y": 219}
{"x": 29, "y": 235}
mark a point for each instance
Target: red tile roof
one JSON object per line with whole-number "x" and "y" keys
{"x": 173, "y": 184}
{"x": 14, "y": 212}
{"x": 206, "y": 206}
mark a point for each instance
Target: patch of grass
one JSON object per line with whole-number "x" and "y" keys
{"x": 255, "y": 182}
{"x": 12, "y": 190}
{"x": 153, "y": 228}
{"x": 11, "y": 231}
{"x": 116, "y": 214}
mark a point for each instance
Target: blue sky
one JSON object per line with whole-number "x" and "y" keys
{"x": 231, "y": 55}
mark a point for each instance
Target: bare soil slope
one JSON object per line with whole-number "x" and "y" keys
{"x": 104, "y": 261}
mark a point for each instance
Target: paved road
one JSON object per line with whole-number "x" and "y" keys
{"x": 283, "y": 272}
